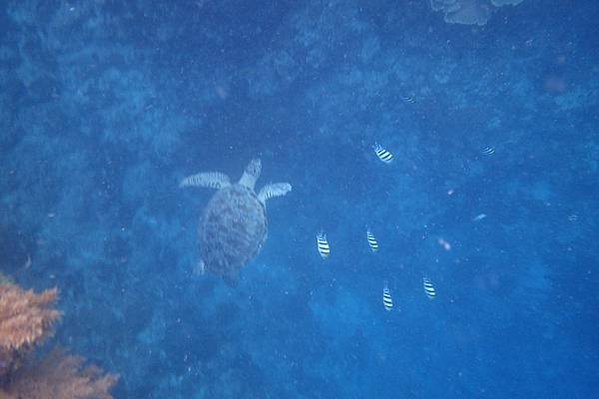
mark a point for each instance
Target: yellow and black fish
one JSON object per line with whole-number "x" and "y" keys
{"x": 372, "y": 242}
{"x": 382, "y": 153}
{"x": 429, "y": 288}
{"x": 488, "y": 151}
{"x": 322, "y": 244}
{"x": 387, "y": 299}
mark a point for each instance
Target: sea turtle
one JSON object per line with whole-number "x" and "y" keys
{"x": 233, "y": 226}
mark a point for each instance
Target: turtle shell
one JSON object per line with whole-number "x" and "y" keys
{"x": 232, "y": 230}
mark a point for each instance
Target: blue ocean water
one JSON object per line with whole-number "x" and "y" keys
{"x": 492, "y": 193}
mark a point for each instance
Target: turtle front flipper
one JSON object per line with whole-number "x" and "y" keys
{"x": 215, "y": 180}
{"x": 273, "y": 190}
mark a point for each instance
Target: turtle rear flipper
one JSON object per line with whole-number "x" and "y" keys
{"x": 206, "y": 179}
{"x": 273, "y": 190}
{"x": 200, "y": 268}
{"x": 231, "y": 279}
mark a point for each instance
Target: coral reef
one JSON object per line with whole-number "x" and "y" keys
{"x": 60, "y": 375}
{"x": 469, "y": 12}
{"x": 26, "y": 320}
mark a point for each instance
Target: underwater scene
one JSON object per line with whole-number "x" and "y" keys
{"x": 299, "y": 199}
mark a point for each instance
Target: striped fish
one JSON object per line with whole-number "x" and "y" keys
{"x": 382, "y": 153}
{"x": 387, "y": 299}
{"x": 488, "y": 151}
{"x": 372, "y": 242}
{"x": 429, "y": 288}
{"x": 322, "y": 244}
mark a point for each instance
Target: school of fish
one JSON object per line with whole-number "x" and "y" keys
{"x": 324, "y": 249}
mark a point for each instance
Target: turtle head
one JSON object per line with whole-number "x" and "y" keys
{"x": 254, "y": 168}
{"x": 251, "y": 173}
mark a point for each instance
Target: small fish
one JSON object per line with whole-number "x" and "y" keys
{"x": 488, "y": 151}
{"x": 382, "y": 153}
{"x": 478, "y": 217}
{"x": 372, "y": 242}
{"x": 444, "y": 244}
{"x": 322, "y": 245}
{"x": 429, "y": 289}
{"x": 387, "y": 299}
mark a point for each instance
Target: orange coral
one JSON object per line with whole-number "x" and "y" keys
{"x": 26, "y": 319}
{"x": 60, "y": 376}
